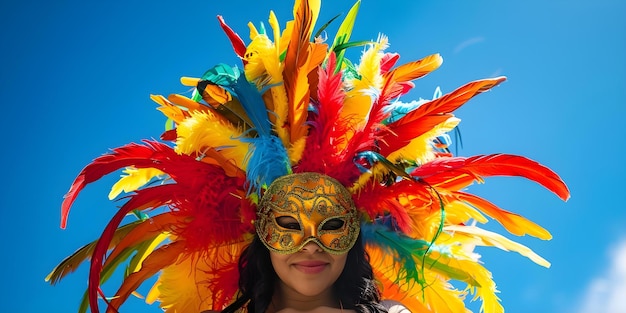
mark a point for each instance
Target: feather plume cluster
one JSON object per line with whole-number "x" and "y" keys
{"x": 299, "y": 105}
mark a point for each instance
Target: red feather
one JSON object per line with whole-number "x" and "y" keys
{"x": 327, "y": 128}
{"x": 388, "y": 61}
{"x": 224, "y": 272}
{"x": 425, "y": 117}
{"x": 150, "y": 155}
{"x": 366, "y": 137}
{"x": 378, "y": 200}
{"x": 148, "y": 198}
{"x": 443, "y": 170}
{"x": 208, "y": 203}
{"x": 235, "y": 40}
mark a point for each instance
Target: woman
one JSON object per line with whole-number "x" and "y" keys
{"x": 307, "y": 232}
{"x": 304, "y": 183}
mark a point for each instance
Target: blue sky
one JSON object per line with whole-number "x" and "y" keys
{"x": 76, "y": 78}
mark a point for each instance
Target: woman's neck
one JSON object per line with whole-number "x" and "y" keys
{"x": 287, "y": 298}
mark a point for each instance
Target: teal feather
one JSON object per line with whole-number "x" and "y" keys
{"x": 405, "y": 250}
{"x": 399, "y": 109}
{"x": 412, "y": 254}
{"x": 372, "y": 158}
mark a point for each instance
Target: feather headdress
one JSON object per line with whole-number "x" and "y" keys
{"x": 297, "y": 105}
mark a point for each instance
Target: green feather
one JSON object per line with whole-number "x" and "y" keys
{"x": 344, "y": 32}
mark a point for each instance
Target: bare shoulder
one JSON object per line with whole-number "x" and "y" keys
{"x": 395, "y": 306}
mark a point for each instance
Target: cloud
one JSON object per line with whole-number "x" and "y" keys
{"x": 607, "y": 293}
{"x": 467, "y": 43}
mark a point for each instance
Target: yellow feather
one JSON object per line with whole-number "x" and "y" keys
{"x": 285, "y": 38}
{"x": 279, "y": 94}
{"x": 154, "y": 294}
{"x": 275, "y": 29}
{"x": 440, "y": 296}
{"x": 315, "y": 6}
{"x": 253, "y": 31}
{"x": 281, "y": 109}
{"x": 168, "y": 109}
{"x": 420, "y": 149}
{"x": 478, "y": 236}
{"x": 153, "y": 245}
{"x": 369, "y": 67}
{"x": 204, "y": 130}
{"x": 189, "y": 81}
{"x": 358, "y": 99}
{"x": 376, "y": 173}
{"x": 437, "y": 295}
{"x": 458, "y": 212}
{"x": 264, "y": 67}
{"x": 182, "y": 287}
{"x": 295, "y": 150}
{"x": 486, "y": 287}
{"x": 133, "y": 179}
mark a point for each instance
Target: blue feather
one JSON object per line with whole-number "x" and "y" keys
{"x": 267, "y": 158}
{"x": 233, "y": 80}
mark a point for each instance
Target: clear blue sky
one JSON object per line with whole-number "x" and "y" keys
{"x": 76, "y": 78}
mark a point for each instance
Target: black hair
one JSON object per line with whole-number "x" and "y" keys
{"x": 257, "y": 278}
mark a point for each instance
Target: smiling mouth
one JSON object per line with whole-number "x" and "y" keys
{"x": 310, "y": 267}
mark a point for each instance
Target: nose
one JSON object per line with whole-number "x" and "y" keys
{"x": 311, "y": 247}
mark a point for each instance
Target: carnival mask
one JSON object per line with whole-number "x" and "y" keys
{"x": 300, "y": 208}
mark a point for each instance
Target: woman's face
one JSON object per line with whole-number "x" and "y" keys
{"x": 308, "y": 222}
{"x": 309, "y": 272}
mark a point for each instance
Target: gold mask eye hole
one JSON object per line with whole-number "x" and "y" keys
{"x": 288, "y": 222}
{"x": 333, "y": 224}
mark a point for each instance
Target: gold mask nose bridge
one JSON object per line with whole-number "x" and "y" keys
{"x": 310, "y": 230}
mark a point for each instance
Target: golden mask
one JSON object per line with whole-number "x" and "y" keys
{"x": 299, "y": 208}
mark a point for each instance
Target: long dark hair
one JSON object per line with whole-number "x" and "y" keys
{"x": 355, "y": 286}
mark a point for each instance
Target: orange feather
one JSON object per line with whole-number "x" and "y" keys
{"x": 146, "y": 230}
{"x": 156, "y": 261}
{"x": 296, "y": 66}
{"x": 400, "y": 133}
{"x": 514, "y": 223}
{"x": 416, "y": 69}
